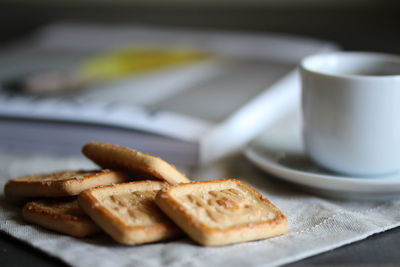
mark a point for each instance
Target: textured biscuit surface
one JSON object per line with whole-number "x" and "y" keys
{"x": 140, "y": 165}
{"x": 221, "y": 212}
{"x": 63, "y": 183}
{"x": 62, "y": 215}
{"x": 128, "y": 213}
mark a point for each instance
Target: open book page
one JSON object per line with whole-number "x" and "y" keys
{"x": 225, "y": 88}
{"x": 238, "y": 69}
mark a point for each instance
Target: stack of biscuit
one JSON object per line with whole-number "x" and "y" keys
{"x": 139, "y": 198}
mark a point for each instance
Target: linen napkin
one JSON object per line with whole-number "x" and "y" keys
{"x": 316, "y": 224}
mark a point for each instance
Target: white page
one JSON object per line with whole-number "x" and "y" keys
{"x": 239, "y": 80}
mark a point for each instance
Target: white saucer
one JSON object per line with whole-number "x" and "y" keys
{"x": 279, "y": 152}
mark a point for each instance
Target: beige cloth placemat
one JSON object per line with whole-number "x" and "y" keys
{"x": 315, "y": 224}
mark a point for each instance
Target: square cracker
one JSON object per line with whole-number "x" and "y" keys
{"x": 139, "y": 164}
{"x": 128, "y": 213}
{"x": 221, "y": 212}
{"x": 60, "y": 214}
{"x": 62, "y": 183}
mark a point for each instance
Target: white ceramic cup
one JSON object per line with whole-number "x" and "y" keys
{"x": 351, "y": 112}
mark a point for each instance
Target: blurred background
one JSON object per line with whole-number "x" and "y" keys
{"x": 372, "y": 25}
{"x": 35, "y": 77}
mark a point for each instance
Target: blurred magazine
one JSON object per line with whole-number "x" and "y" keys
{"x": 186, "y": 108}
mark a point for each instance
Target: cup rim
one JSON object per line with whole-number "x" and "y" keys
{"x": 305, "y": 62}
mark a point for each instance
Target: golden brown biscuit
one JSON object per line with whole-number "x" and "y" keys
{"x": 127, "y": 212}
{"x": 61, "y": 215}
{"x": 63, "y": 183}
{"x": 140, "y": 165}
{"x": 221, "y": 212}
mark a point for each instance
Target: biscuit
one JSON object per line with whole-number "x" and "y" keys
{"x": 140, "y": 165}
{"x": 127, "y": 212}
{"x": 221, "y": 212}
{"x": 63, "y": 183}
{"x": 61, "y": 215}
